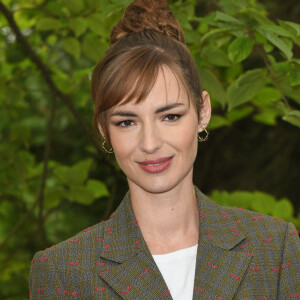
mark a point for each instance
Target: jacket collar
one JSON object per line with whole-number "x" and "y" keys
{"x": 131, "y": 259}
{"x": 122, "y": 237}
{"x": 217, "y": 223}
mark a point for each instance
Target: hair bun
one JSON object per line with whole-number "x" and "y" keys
{"x": 147, "y": 14}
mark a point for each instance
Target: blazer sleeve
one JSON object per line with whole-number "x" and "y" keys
{"x": 44, "y": 281}
{"x": 289, "y": 276}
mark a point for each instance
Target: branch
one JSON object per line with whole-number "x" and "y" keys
{"x": 56, "y": 93}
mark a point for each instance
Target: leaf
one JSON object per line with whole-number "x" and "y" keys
{"x": 13, "y": 94}
{"x": 277, "y": 30}
{"x": 258, "y": 201}
{"x": 93, "y": 48}
{"x": 242, "y": 198}
{"x": 212, "y": 84}
{"x": 296, "y": 60}
{"x": 21, "y": 134}
{"x": 96, "y": 4}
{"x": 258, "y": 16}
{"x": 268, "y": 47}
{"x": 14, "y": 53}
{"x": 72, "y": 46}
{"x": 259, "y": 38}
{"x": 215, "y": 56}
{"x": 288, "y": 42}
{"x": 283, "y": 209}
{"x": 226, "y": 18}
{"x": 82, "y": 195}
{"x": 74, "y": 175}
{"x": 278, "y": 42}
{"x": 266, "y": 96}
{"x": 74, "y": 6}
{"x": 239, "y": 113}
{"x": 97, "y": 25}
{"x": 221, "y": 197}
{"x": 222, "y": 40}
{"x": 233, "y": 72}
{"x": 295, "y": 77}
{"x": 78, "y": 25}
{"x": 53, "y": 196}
{"x": 47, "y": 24}
{"x": 240, "y": 49}
{"x": 191, "y": 36}
{"x": 55, "y": 7}
{"x": 213, "y": 32}
{"x": 263, "y": 203}
{"x": 218, "y": 121}
{"x": 294, "y": 26}
{"x": 245, "y": 88}
{"x": 267, "y": 116}
{"x": 97, "y": 188}
{"x": 293, "y": 117}
{"x": 82, "y": 169}
{"x": 62, "y": 81}
{"x": 232, "y": 6}
{"x": 182, "y": 14}
{"x": 291, "y": 91}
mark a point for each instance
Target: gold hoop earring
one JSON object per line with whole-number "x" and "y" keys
{"x": 108, "y": 151}
{"x": 205, "y": 138}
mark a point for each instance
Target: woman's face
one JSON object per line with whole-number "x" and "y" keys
{"x": 163, "y": 126}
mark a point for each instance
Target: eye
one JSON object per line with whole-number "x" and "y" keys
{"x": 125, "y": 123}
{"x": 172, "y": 117}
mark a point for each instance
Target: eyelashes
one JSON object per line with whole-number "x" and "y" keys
{"x": 171, "y": 118}
{"x": 124, "y": 123}
{"x": 174, "y": 117}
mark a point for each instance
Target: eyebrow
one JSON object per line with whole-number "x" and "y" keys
{"x": 159, "y": 110}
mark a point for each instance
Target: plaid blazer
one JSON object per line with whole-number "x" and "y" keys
{"x": 241, "y": 255}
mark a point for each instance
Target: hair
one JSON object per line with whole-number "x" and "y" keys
{"x": 146, "y": 39}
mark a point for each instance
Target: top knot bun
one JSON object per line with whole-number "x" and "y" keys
{"x": 147, "y": 14}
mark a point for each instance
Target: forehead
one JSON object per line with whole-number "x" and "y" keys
{"x": 167, "y": 89}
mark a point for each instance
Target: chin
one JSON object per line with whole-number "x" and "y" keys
{"x": 156, "y": 185}
{"x": 158, "y": 188}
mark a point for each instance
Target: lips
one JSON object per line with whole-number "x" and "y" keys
{"x": 157, "y": 165}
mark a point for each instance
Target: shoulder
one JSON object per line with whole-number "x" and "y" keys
{"x": 82, "y": 242}
{"x": 261, "y": 226}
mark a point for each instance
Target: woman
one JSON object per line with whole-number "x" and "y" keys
{"x": 166, "y": 240}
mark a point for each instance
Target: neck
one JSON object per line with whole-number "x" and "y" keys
{"x": 169, "y": 221}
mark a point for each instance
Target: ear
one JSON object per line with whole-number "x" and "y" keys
{"x": 205, "y": 113}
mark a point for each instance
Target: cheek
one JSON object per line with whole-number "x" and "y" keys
{"x": 186, "y": 137}
{"x": 122, "y": 145}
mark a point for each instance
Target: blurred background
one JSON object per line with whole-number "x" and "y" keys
{"x": 54, "y": 180}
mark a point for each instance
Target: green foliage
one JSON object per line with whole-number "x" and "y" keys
{"x": 50, "y": 174}
{"x": 245, "y": 88}
{"x": 240, "y": 49}
{"x": 259, "y": 202}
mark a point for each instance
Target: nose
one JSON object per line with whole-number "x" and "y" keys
{"x": 151, "y": 139}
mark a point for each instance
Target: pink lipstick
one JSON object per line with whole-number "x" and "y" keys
{"x": 157, "y": 165}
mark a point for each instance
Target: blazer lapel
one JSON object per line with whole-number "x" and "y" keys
{"x": 219, "y": 267}
{"x": 128, "y": 266}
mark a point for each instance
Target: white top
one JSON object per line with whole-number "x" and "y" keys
{"x": 178, "y": 271}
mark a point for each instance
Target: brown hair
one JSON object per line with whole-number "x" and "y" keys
{"x": 147, "y": 38}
